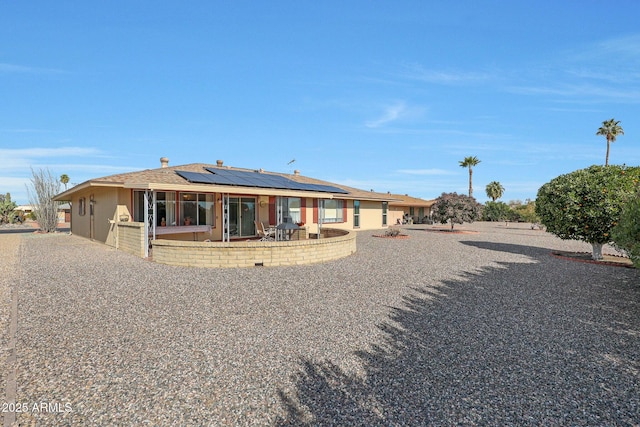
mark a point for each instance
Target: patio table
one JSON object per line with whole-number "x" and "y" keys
{"x": 289, "y": 228}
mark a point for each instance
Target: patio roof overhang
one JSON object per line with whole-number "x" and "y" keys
{"x": 412, "y": 204}
{"x": 254, "y": 191}
{"x": 209, "y": 188}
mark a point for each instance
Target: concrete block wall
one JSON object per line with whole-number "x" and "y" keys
{"x": 254, "y": 253}
{"x": 130, "y": 238}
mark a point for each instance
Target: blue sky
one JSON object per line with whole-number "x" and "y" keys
{"x": 378, "y": 95}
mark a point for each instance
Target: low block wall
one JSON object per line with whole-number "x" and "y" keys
{"x": 252, "y": 253}
{"x": 131, "y": 238}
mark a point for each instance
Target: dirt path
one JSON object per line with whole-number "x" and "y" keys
{"x": 9, "y": 269}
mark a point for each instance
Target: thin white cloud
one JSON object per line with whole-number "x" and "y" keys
{"x": 428, "y": 172}
{"x": 596, "y": 92}
{"x": 417, "y": 72}
{"x": 21, "y": 160}
{"x": 15, "y": 68}
{"x": 617, "y": 48}
{"x": 40, "y": 152}
{"x": 391, "y": 114}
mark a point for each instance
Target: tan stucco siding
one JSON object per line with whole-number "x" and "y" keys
{"x": 370, "y": 217}
{"x": 107, "y": 204}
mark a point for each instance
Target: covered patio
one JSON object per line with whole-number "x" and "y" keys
{"x": 203, "y": 206}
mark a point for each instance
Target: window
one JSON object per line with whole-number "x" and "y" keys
{"x": 82, "y": 206}
{"x": 385, "y": 206}
{"x": 411, "y": 210}
{"x": 356, "y": 213}
{"x": 242, "y": 214}
{"x": 291, "y": 210}
{"x": 196, "y": 209}
{"x": 165, "y": 208}
{"x": 138, "y": 206}
{"x": 333, "y": 210}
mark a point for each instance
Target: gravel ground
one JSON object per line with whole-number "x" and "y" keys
{"x": 438, "y": 329}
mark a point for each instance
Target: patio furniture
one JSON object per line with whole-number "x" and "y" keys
{"x": 289, "y": 228}
{"x": 266, "y": 234}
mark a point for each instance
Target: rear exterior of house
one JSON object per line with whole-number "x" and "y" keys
{"x": 218, "y": 203}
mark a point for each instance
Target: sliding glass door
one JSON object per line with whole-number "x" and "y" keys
{"x": 242, "y": 214}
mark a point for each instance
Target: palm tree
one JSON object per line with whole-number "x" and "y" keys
{"x": 610, "y": 129}
{"x": 495, "y": 190}
{"x": 469, "y": 162}
{"x": 64, "y": 179}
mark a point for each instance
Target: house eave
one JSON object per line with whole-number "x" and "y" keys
{"x": 65, "y": 196}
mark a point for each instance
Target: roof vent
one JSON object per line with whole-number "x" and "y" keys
{"x": 296, "y": 172}
{"x": 219, "y": 163}
{"x": 164, "y": 162}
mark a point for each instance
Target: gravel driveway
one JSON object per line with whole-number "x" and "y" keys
{"x": 439, "y": 329}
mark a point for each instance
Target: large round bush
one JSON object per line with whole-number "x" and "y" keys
{"x": 586, "y": 204}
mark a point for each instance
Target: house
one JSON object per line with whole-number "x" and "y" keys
{"x": 403, "y": 207}
{"x": 218, "y": 203}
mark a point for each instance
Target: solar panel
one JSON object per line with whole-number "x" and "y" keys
{"x": 254, "y": 179}
{"x": 196, "y": 177}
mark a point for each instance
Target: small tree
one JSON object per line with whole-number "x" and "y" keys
{"x": 45, "y": 187}
{"x": 8, "y": 214}
{"x": 456, "y": 209}
{"x": 586, "y": 204}
{"x": 626, "y": 234}
{"x": 524, "y": 211}
{"x": 496, "y": 211}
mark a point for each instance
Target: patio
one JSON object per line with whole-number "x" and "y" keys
{"x": 332, "y": 245}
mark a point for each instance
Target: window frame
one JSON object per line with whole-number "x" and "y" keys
{"x": 356, "y": 214}
{"x": 82, "y": 206}
{"x": 385, "y": 210}
{"x": 339, "y": 211}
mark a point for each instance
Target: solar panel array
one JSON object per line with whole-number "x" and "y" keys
{"x": 254, "y": 179}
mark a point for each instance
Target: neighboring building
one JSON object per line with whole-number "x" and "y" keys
{"x": 219, "y": 203}
{"x": 403, "y": 206}
{"x": 64, "y": 212}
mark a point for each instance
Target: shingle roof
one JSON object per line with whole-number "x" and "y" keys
{"x": 168, "y": 176}
{"x": 406, "y": 200}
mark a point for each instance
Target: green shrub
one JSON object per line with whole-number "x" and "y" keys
{"x": 626, "y": 234}
{"x": 496, "y": 211}
{"x": 586, "y": 204}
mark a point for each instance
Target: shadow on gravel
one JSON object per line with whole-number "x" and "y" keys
{"x": 515, "y": 344}
{"x": 531, "y": 251}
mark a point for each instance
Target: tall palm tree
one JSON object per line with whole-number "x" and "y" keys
{"x": 469, "y": 162}
{"x": 610, "y": 129}
{"x": 495, "y": 190}
{"x": 64, "y": 179}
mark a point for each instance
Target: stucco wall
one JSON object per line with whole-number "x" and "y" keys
{"x": 108, "y": 205}
{"x": 250, "y": 254}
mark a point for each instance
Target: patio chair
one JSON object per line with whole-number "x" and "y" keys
{"x": 265, "y": 234}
